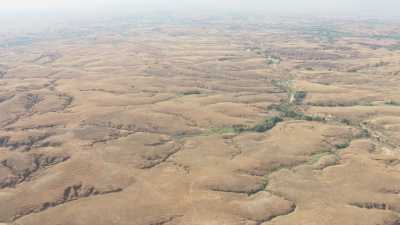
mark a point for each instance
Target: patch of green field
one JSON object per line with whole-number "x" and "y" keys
{"x": 394, "y": 103}
{"x": 299, "y": 96}
{"x": 266, "y": 124}
{"x": 192, "y": 92}
{"x": 342, "y": 145}
{"x": 318, "y": 155}
{"x": 271, "y": 59}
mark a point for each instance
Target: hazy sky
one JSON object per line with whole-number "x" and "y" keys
{"x": 375, "y": 7}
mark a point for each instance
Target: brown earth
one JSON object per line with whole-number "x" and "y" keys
{"x": 215, "y": 124}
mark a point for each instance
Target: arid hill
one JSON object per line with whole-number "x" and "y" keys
{"x": 201, "y": 122}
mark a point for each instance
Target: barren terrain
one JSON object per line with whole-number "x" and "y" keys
{"x": 201, "y": 122}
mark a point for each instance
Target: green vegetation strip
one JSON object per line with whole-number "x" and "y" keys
{"x": 192, "y": 92}
{"x": 394, "y": 103}
{"x": 261, "y": 127}
{"x": 290, "y": 111}
{"x": 318, "y": 155}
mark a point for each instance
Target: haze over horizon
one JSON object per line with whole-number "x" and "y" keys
{"x": 313, "y": 7}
